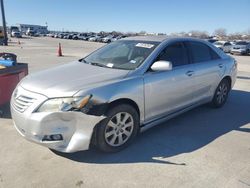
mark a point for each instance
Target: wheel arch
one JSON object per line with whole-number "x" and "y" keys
{"x": 111, "y": 104}
{"x": 229, "y": 79}
{"x": 125, "y": 101}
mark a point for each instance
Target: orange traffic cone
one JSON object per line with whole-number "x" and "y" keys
{"x": 59, "y": 52}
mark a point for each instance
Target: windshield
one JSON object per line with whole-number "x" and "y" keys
{"x": 124, "y": 54}
{"x": 241, "y": 43}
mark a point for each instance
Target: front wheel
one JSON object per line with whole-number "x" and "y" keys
{"x": 221, "y": 94}
{"x": 119, "y": 129}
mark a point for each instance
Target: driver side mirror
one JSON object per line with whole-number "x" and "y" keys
{"x": 162, "y": 66}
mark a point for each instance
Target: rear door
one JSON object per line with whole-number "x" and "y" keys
{"x": 209, "y": 68}
{"x": 169, "y": 91}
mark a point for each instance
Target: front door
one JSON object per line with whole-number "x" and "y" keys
{"x": 169, "y": 91}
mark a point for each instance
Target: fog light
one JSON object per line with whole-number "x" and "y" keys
{"x": 53, "y": 137}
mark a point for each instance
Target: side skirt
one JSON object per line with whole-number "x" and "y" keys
{"x": 153, "y": 123}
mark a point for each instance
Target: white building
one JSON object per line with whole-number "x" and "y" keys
{"x": 36, "y": 28}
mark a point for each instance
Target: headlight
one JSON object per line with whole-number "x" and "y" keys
{"x": 64, "y": 104}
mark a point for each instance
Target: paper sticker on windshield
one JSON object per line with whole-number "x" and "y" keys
{"x": 132, "y": 61}
{"x": 110, "y": 65}
{"x": 144, "y": 45}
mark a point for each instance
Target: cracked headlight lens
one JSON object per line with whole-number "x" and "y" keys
{"x": 64, "y": 104}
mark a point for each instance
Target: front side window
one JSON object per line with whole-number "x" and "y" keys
{"x": 124, "y": 54}
{"x": 175, "y": 53}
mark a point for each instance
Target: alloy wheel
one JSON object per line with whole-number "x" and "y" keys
{"x": 119, "y": 129}
{"x": 221, "y": 94}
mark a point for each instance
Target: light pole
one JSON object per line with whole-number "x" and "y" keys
{"x": 4, "y": 25}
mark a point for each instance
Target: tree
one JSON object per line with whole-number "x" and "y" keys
{"x": 221, "y": 32}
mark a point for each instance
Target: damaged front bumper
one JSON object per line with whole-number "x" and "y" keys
{"x": 70, "y": 131}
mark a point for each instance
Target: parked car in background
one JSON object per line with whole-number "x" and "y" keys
{"x": 223, "y": 45}
{"x": 14, "y": 31}
{"x": 61, "y": 35}
{"x": 37, "y": 34}
{"x": 100, "y": 39}
{"x": 117, "y": 38}
{"x": 30, "y": 32}
{"x": 124, "y": 88}
{"x": 107, "y": 39}
{"x": 241, "y": 47}
{"x": 13, "y": 28}
{"x": 91, "y": 39}
{"x": 70, "y": 36}
{"x": 55, "y": 35}
{"x": 16, "y": 34}
{"x": 75, "y": 36}
{"x": 94, "y": 38}
{"x": 81, "y": 36}
{"x": 50, "y": 35}
{"x": 88, "y": 36}
{"x": 65, "y": 36}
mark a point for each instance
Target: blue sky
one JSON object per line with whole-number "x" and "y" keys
{"x": 130, "y": 15}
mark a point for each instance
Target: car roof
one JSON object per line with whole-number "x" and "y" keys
{"x": 166, "y": 39}
{"x": 148, "y": 38}
{"x": 161, "y": 38}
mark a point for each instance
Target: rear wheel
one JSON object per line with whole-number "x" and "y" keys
{"x": 221, "y": 94}
{"x": 119, "y": 129}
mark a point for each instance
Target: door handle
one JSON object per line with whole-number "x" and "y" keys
{"x": 189, "y": 73}
{"x": 220, "y": 65}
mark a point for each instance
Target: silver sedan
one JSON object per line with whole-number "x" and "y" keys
{"x": 126, "y": 87}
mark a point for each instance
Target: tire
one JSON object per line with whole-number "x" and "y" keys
{"x": 113, "y": 135}
{"x": 248, "y": 51}
{"x": 221, "y": 94}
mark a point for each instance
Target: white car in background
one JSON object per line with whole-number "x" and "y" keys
{"x": 107, "y": 39}
{"x": 241, "y": 47}
{"x": 223, "y": 45}
{"x": 94, "y": 38}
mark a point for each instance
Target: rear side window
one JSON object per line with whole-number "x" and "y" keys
{"x": 201, "y": 52}
{"x": 175, "y": 53}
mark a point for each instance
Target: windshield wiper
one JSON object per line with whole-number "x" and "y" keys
{"x": 84, "y": 61}
{"x": 99, "y": 65}
{"x": 95, "y": 64}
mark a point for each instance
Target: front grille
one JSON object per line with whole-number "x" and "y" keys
{"x": 21, "y": 103}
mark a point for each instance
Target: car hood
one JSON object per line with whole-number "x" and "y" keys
{"x": 68, "y": 79}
